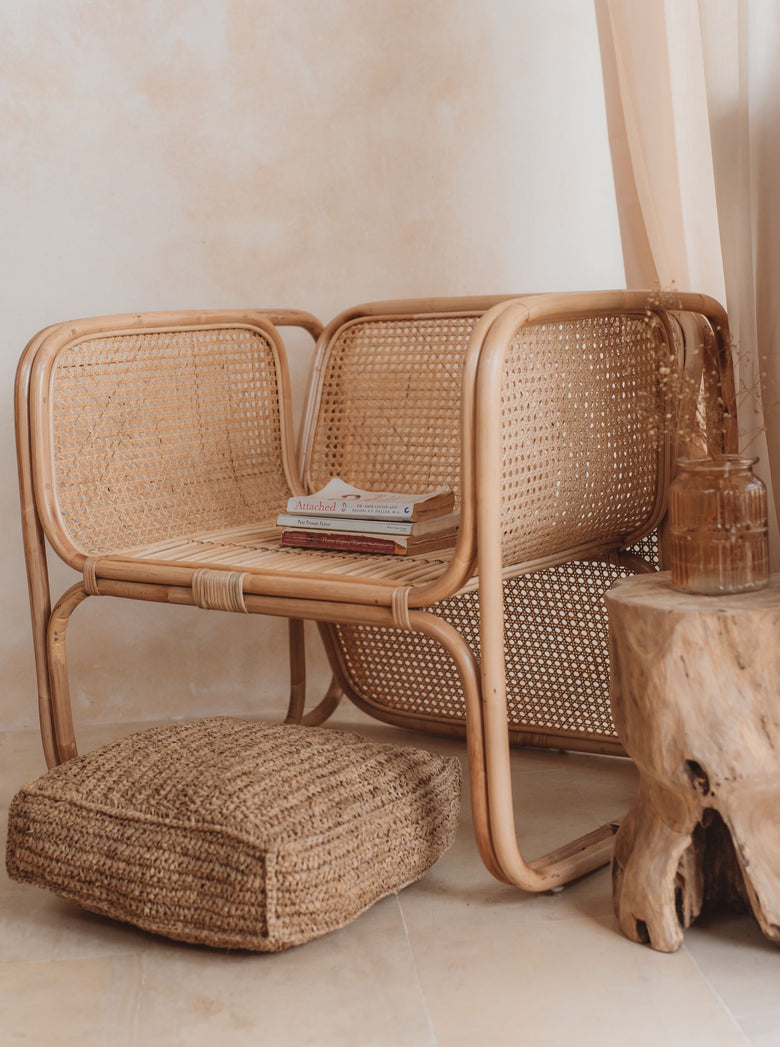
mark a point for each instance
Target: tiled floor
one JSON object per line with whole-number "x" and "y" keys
{"x": 457, "y": 959}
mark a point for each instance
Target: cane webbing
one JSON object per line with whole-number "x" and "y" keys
{"x": 157, "y": 430}
{"x": 390, "y": 396}
{"x": 581, "y": 413}
{"x": 556, "y": 645}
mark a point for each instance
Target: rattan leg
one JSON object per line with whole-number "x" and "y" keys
{"x": 296, "y": 708}
{"x": 464, "y": 660}
{"x": 566, "y": 863}
{"x": 40, "y": 611}
{"x": 573, "y": 859}
{"x": 61, "y": 715}
{"x": 588, "y": 852}
{"x": 34, "y": 551}
{"x": 330, "y": 701}
{"x": 297, "y": 653}
{"x": 447, "y": 636}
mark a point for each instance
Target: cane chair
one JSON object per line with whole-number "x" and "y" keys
{"x": 155, "y": 452}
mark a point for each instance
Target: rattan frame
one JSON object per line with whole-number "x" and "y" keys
{"x": 395, "y": 596}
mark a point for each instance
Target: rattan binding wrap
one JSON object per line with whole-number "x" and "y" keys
{"x": 234, "y": 834}
{"x": 219, "y": 590}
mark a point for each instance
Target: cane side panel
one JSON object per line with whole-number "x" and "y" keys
{"x": 581, "y": 413}
{"x": 556, "y": 657}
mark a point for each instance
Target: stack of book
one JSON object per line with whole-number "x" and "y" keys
{"x": 344, "y": 518}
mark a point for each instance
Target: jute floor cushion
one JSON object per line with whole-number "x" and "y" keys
{"x": 235, "y": 834}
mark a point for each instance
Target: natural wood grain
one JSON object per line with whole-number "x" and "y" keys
{"x": 695, "y": 701}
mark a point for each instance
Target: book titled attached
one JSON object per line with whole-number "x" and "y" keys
{"x": 338, "y": 498}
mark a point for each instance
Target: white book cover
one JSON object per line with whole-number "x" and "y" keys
{"x": 338, "y": 498}
{"x": 310, "y": 522}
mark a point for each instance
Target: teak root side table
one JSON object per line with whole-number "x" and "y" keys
{"x": 695, "y": 690}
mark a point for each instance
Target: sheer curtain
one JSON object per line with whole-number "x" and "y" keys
{"x": 693, "y": 94}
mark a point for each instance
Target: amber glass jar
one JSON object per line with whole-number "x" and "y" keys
{"x": 718, "y": 526}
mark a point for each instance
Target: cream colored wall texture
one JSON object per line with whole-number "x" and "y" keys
{"x": 165, "y": 154}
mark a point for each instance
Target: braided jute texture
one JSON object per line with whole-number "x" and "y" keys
{"x": 235, "y": 834}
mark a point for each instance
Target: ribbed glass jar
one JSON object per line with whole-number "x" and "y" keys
{"x": 718, "y": 526}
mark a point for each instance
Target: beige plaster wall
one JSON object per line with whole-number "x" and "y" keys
{"x": 310, "y": 153}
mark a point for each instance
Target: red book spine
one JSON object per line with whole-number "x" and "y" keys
{"x": 351, "y": 543}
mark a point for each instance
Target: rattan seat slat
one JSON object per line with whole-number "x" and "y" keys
{"x": 154, "y": 447}
{"x": 259, "y": 549}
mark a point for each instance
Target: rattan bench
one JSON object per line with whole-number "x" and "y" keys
{"x": 155, "y": 452}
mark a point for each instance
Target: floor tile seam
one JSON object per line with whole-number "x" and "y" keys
{"x": 413, "y": 959}
{"x": 605, "y": 919}
{"x": 83, "y": 957}
{"x": 135, "y": 1015}
{"x": 532, "y": 921}
{"x": 747, "y": 1016}
{"x": 758, "y": 1012}
{"x": 728, "y": 1010}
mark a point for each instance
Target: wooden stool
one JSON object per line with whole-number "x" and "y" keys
{"x": 695, "y": 690}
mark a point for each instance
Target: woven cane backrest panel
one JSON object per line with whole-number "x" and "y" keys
{"x": 389, "y": 412}
{"x": 161, "y": 430}
{"x": 580, "y": 424}
{"x": 556, "y": 655}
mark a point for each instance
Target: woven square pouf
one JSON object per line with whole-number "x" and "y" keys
{"x": 235, "y": 834}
